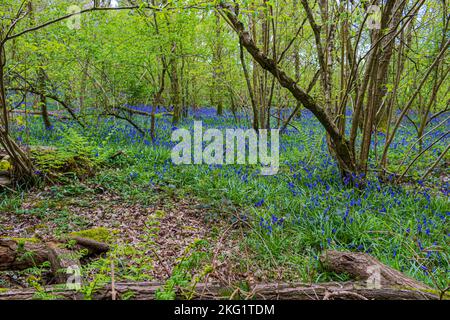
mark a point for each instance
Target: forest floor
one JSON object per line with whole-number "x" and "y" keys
{"x": 184, "y": 224}
{"x": 162, "y": 231}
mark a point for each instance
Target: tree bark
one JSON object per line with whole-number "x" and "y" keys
{"x": 94, "y": 246}
{"x": 217, "y": 83}
{"x": 382, "y": 54}
{"x": 175, "y": 85}
{"x": 19, "y": 256}
{"x": 255, "y": 122}
{"x": 22, "y": 165}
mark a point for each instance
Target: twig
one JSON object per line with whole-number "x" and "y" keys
{"x": 329, "y": 295}
{"x": 113, "y": 284}
{"x": 435, "y": 163}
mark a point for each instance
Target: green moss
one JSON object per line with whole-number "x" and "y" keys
{"x": 4, "y": 165}
{"x": 40, "y": 226}
{"x": 160, "y": 214}
{"x": 23, "y": 240}
{"x": 99, "y": 234}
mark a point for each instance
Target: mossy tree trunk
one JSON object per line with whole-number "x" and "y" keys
{"x": 22, "y": 165}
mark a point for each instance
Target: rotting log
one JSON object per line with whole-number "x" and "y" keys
{"x": 60, "y": 260}
{"x": 92, "y": 245}
{"x": 20, "y": 255}
{"x": 212, "y": 291}
{"x": 361, "y": 266}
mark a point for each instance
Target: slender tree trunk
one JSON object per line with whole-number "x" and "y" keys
{"x": 5, "y": 115}
{"x": 249, "y": 87}
{"x": 377, "y": 89}
{"x": 83, "y": 84}
{"x": 217, "y": 89}
{"x": 43, "y": 99}
{"x": 22, "y": 165}
{"x": 296, "y": 56}
{"x": 339, "y": 144}
{"x": 175, "y": 85}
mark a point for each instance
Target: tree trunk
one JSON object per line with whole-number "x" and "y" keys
{"x": 255, "y": 123}
{"x": 339, "y": 144}
{"x": 22, "y": 165}
{"x": 217, "y": 89}
{"x": 60, "y": 260}
{"x": 45, "y": 115}
{"x": 382, "y": 53}
{"x": 175, "y": 86}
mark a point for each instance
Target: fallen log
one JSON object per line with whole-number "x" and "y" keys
{"x": 92, "y": 245}
{"x": 16, "y": 254}
{"x": 214, "y": 291}
{"x": 361, "y": 266}
{"x": 60, "y": 260}
{"x": 20, "y": 255}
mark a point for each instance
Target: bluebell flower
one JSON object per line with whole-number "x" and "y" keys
{"x": 259, "y": 203}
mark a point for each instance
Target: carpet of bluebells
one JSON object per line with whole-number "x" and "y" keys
{"x": 302, "y": 210}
